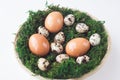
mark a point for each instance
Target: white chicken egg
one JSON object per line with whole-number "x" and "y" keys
{"x": 43, "y": 64}
{"x": 82, "y": 28}
{"x": 43, "y": 31}
{"x": 69, "y": 20}
{"x": 95, "y": 39}
{"x": 61, "y": 57}
{"x": 82, "y": 59}
{"x": 56, "y": 47}
{"x": 59, "y": 38}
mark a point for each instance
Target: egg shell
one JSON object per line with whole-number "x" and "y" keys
{"x": 54, "y": 22}
{"x": 77, "y": 47}
{"x": 39, "y": 45}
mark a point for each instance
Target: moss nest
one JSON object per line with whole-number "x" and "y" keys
{"x": 69, "y": 68}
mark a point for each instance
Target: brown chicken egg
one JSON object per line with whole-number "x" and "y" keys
{"x": 77, "y": 47}
{"x": 54, "y": 22}
{"x": 39, "y": 45}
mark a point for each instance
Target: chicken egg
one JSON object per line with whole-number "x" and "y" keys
{"x": 54, "y": 22}
{"x": 77, "y": 47}
{"x": 39, "y": 45}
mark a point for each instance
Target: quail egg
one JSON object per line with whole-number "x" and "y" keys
{"x": 82, "y": 28}
{"x": 43, "y": 64}
{"x": 95, "y": 39}
{"x": 82, "y": 59}
{"x": 56, "y": 47}
{"x": 69, "y": 20}
{"x": 59, "y": 38}
{"x": 61, "y": 57}
{"x": 43, "y": 31}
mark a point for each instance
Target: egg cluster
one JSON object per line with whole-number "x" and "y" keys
{"x": 77, "y": 47}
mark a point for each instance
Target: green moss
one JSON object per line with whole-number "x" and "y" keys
{"x": 68, "y": 68}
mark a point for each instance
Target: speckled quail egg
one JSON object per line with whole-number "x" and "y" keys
{"x": 95, "y": 39}
{"x": 69, "y": 20}
{"x": 82, "y": 59}
{"x": 59, "y": 38}
{"x": 82, "y": 28}
{"x": 43, "y": 31}
{"x": 61, "y": 57}
{"x": 43, "y": 64}
{"x": 56, "y": 47}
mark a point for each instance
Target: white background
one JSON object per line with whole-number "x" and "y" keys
{"x": 14, "y": 12}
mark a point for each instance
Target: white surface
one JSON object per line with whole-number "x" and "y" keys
{"x": 14, "y": 12}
